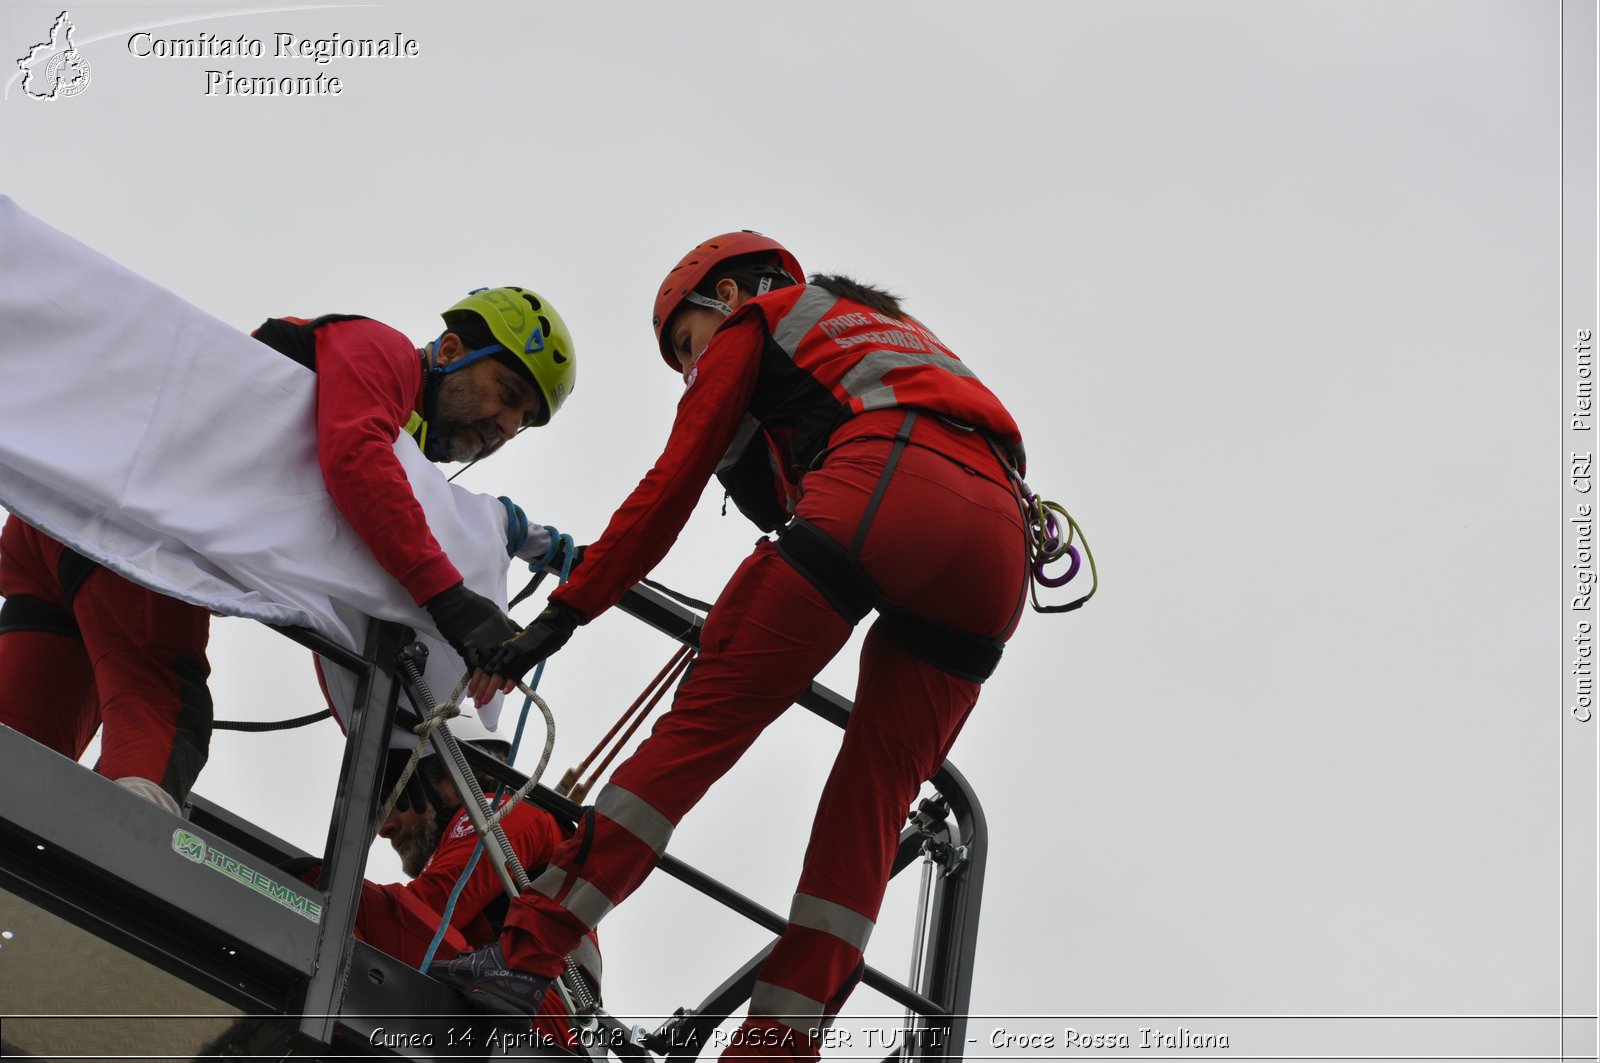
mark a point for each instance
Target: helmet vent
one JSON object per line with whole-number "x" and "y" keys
{"x": 558, "y": 357}
{"x": 544, "y": 325}
{"x": 535, "y": 304}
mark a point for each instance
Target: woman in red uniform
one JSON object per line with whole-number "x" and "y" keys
{"x": 831, "y": 414}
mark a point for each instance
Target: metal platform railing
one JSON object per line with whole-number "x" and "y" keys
{"x": 204, "y": 900}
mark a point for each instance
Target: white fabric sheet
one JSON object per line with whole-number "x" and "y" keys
{"x": 180, "y": 453}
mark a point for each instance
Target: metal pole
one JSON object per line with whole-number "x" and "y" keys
{"x": 345, "y": 860}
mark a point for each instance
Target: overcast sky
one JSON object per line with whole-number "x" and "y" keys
{"x": 1272, "y": 291}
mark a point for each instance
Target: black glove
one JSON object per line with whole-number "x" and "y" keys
{"x": 538, "y": 640}
{"x": 472, "y": 624}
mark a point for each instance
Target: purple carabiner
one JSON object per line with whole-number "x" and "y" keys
{"x": 1063, "y": 579}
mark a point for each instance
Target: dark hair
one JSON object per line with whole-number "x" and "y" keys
{"x": 748, "y": 271}
{"x": 471, "y": 330}
{"x": 873, "y": 298}
{"x": 474, "y": 332}
{"x": 434, "y": 771}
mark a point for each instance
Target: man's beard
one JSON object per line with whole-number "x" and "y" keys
{"x": 455, "y": 433}
{"x": 416, "y": 847}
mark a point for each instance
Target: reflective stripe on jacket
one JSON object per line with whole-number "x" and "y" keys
{"x": 825, "y": 360}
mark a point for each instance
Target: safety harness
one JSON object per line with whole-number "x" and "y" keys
{"x": 24, "y": 612}
{"x": 837, "y": 573}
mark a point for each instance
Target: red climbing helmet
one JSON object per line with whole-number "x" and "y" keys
{"x": 698, "y": 264}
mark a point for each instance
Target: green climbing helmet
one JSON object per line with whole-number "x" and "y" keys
{"x": 528, "y": 328}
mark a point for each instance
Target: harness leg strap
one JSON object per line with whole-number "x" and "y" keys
{"x": 72, "y": 570}
{"x": 849, "y": 589}
{"x": 961, "y": 653}
{"x": 838, "y": 574}
{"x": 23, "y": 612}
{"x": 826, "y": 567}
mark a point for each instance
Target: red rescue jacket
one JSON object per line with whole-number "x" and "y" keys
{"x": 369, "y": 385}
{"x": 781, "y": 378}
{"x": 826, "y": 359}
{"x": 401, "y": 918}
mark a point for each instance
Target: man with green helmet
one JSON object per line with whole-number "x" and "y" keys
{"x": 81, "y": 647}
{"x": 504, "y": 363}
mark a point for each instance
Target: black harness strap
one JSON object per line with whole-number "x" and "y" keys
{"x": 23, "y": 612}
{"x": 961, "y": 653}
{"x": 901, "y": 438}
{"x": 838, "y": 574}
{"x": 72, "y": 570}
{"x": 297, "y": 340}
{"x": 828, "y": 568}
{"x": 586, "y": 828}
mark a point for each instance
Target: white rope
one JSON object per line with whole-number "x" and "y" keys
{"x": 544, "y": 758}
{"x": 448, "y": 709}
{"x": 440, "y": 712}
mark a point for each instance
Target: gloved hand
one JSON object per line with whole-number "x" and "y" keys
{"x": 547, "y": 634}
{"x": 472, "y": 624}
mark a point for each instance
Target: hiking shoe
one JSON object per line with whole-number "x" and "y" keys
{"x": 489, "y": 985}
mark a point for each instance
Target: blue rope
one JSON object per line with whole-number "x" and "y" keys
{"x": 568, "y": 546}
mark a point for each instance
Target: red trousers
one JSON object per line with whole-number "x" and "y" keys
{"x": 946, "y": 543}
{"x": 82, "y": 648}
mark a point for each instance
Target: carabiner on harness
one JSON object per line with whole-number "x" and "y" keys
{"x": 1049, "y": 540}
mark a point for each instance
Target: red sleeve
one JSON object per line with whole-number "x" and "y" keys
{"x": 392, "y": 920}
{"x": 644, "y": 527}
{"x": 368, "y": 383}
{"x": 533, "y": 835}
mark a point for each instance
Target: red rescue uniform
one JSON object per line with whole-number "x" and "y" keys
{"x": 369, "y": 381}
{"x": 797, "y": 403}
{"x": 82, "y": 648}
{"x": 401, "y": 918}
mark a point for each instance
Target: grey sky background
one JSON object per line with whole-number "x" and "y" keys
{"x": 1271, "y": 289}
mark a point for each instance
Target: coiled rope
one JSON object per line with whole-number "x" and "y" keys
{"x": 1048, "y": 544}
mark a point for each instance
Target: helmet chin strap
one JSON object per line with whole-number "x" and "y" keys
{"x": 433, "y": 375}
